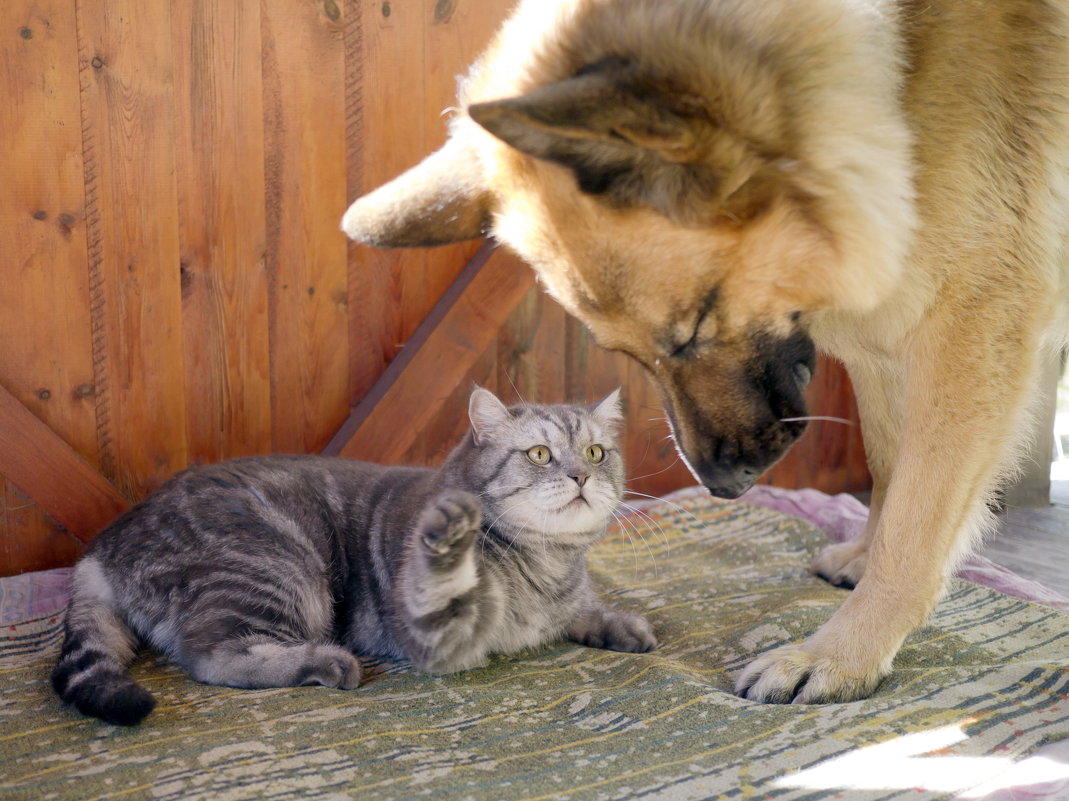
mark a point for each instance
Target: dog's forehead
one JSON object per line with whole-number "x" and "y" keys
{"x": 632, "y": 308}
{"x": 644, "y": 296}
{"x": 606, "y": 264}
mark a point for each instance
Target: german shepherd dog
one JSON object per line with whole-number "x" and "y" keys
{"x": 718, "y": 187}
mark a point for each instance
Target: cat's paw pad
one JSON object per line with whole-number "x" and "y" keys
{"x": 614, "y": 631}
{"x": 451, "y": 522}
{"x": 333, "y": 666}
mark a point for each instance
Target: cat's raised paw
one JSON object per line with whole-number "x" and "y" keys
{"x": 451, "y": 522}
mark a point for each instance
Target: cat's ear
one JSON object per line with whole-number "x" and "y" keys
{"x": 610, "y": 411}
{"x": 486, "y": 413}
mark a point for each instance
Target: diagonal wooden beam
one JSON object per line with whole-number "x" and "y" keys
{"x": 37, "y": 460}
{"x": 395, "y": 411}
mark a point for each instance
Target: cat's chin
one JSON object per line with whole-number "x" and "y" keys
{"x": 576, "y": 523}
{"x": 580, "y": 516}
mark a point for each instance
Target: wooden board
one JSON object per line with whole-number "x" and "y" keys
{"x": 46, "y": 359}
{"x": 304, "y": 83}
{"x": 385, "y": 286}
{"x": 412, "y": 390}
{"x": 30, "y": 539}
{"x": 128, "y": 138}
{"x": 219, "y": 123}
{"x": 48, "y": 470}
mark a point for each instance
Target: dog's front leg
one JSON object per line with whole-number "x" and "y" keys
{"x": 963, "y": 409}
{"x": 878, "y": 388}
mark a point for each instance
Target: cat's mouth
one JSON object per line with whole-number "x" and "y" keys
{"x": 578, "y": 499}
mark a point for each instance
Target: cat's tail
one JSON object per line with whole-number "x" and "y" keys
{"x": 98, "y": 648}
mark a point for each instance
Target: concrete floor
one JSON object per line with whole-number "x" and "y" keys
{"x": 1035, "y": 542}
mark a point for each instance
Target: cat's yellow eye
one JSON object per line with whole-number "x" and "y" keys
{"x": 595, "y": 453}
{"x": 539, "y": 454}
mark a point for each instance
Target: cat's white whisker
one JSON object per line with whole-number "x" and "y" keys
{"x": 505, "y": 512}
{"x": 653, "y": 558}
{"x": 640, "y": 513}
{"x": 623, "y": 527}
{"x": 515, "y": 388}
{"x": 545, "y": 518}
{"x": 665, "y": 501}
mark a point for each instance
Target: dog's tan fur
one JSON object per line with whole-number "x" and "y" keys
{"x": 706, "y": 182}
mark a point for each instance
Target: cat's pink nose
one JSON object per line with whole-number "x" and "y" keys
{"x": 580, "y": 479}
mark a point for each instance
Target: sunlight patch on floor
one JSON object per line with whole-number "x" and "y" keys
{"x": 913, "y": 761}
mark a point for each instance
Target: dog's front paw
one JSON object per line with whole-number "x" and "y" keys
{"x": 842, "y": 565}
{"x": 800, "y": 674}
{"x": 613, "y": 630}
{"x": 450, "y": 523}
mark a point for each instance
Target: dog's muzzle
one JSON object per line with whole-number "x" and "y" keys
{"x": 729, "y": 456}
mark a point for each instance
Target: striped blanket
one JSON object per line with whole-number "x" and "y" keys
{"x": 984, "y": 683}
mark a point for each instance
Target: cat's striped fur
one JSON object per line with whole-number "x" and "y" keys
{"x": 273, "y": 571}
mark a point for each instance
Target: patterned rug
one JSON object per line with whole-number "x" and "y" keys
{"x": 972, "y": 692}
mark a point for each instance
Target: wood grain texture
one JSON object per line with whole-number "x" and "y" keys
{"x": 128, "y": 143}
{"x": 413, "y": 53}
{"x": 30, "y": 539}
{"x": 46, "y": 359}
{"x": 45, "y": 468}
{"x": 383, "y": 282}
{"x": 304, "y": 84}
{"x": 396, "y": 412}
{"x": 219, "y": 122}
{"x": 455, "y": 34}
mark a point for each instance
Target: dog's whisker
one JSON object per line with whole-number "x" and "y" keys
{"x": 672, "y": 464}
{"x": 817, "y": 418}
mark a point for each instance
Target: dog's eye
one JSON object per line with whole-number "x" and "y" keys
{"x": 685, "y": 349}
{"x": 540, "y": 455}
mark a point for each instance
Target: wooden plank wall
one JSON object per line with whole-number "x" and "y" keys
{"x": 173, "y": 284}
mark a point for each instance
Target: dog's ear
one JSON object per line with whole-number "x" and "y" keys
{"x": 597, "y": 117}
{"x": 441, "y": 200}
{"x": 635, "y": 141}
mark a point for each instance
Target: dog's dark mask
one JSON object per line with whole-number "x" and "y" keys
{"x": 736, "y": 412}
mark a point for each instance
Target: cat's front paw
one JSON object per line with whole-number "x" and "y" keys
{"x": 331, "y": 666}
{"x": 613, "y": 630}
{"x": 450, "y": 524}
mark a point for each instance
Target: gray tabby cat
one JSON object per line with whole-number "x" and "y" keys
{"x": 272, "y": 571}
